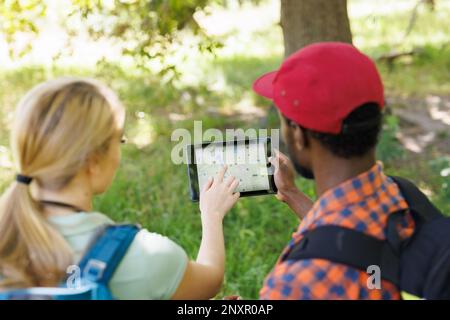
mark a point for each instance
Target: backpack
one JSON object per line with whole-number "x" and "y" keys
{"x": 419, "y": 266}
{"x": 96, "y": 267}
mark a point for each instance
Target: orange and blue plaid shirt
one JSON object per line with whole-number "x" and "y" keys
{"x": 362, "y": 203}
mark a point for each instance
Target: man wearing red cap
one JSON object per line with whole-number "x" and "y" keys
{"x": 330, "y": 98}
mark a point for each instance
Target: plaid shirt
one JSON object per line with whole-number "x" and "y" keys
{"x": 362, "y": 203}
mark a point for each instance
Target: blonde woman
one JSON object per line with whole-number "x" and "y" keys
{"x": 66, "y": 142}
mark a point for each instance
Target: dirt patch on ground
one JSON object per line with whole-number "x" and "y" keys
{"x": 424, "y": 124}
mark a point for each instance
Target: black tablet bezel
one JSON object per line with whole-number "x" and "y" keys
{"x": 193, "y": 175}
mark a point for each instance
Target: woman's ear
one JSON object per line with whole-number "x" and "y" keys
{"x": 93, "y": 167}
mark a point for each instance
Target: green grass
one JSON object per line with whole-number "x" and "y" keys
{"x": 151, "y": 190}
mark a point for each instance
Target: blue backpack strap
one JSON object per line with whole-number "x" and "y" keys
{"x": 104, "y": 255}
{"x": 49, "y": 293}
{"x": 97, "y": 267}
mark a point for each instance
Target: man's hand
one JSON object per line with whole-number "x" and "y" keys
{"x": 284, "y": 176}
{"x": 288, "y": 192}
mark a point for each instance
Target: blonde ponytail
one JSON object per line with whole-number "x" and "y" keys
{"x": 58, "y": 125}
{"x": 32, "y": 252}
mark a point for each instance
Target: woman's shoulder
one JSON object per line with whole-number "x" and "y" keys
{"x": 151, "y": 269}
{"x": 155, "y": 245}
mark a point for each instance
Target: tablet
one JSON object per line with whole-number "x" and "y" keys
{"x": 247, "y": 161}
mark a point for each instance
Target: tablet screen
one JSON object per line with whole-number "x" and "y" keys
{"x": 247, "y": 161}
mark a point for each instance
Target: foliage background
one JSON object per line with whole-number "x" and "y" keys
{"x": 168, "y": 75}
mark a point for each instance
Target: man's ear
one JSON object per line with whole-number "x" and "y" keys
{"x": 299, "y": 137}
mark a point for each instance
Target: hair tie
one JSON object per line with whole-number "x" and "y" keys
{"x": 23, "y": 179}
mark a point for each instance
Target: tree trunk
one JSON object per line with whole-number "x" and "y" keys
{"x": 308, "y": 21}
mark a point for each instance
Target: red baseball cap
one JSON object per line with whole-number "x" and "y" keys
{"x": 319, "y": 85}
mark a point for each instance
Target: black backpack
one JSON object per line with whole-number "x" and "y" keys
{"x": 419, "y": 266}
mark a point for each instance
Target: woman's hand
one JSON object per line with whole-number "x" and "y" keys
{"x": 218, "y": 196}
{"x": 203, "y": 278}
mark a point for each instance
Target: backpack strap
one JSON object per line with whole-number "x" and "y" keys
{"x": 349, "y": 247}
{"x": 97, "y": 266}
{"x": 48, "y": 293}
{"x": 106, "y": 251}
{"x": 359, "y": 250}
{"x": 419, "y": 205}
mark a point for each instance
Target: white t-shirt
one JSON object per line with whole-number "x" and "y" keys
{"x": 152, "y": 268}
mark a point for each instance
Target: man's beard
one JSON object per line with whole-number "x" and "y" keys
{"x": 301, "y": 170}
